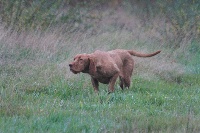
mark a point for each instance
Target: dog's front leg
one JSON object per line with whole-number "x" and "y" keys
{"x": 112, "y": 83}
{"x": 95, "y": 84}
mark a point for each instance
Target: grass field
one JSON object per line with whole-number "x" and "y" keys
{"x": 39, "y": 94}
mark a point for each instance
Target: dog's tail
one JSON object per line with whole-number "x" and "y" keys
{"x": 134, "y": 53}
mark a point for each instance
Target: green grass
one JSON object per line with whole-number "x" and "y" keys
{"x": 39, "y": 94}
{"x": 70, "y": 105}
{"x": 61, "y": 107}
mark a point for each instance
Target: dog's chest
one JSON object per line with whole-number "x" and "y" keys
{"x": 101, "y": 78}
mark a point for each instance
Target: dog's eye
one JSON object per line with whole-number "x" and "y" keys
{"x": 81, "y": 59}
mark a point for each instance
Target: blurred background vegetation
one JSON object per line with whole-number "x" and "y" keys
{"x": 181, "y": 18}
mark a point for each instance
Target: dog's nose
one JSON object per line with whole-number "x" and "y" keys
{"x": 70, "y": 65}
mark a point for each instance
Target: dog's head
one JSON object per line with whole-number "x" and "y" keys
{"x": 80, "y": 64}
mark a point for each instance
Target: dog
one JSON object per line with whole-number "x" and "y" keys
{"x": 106, "y": 67}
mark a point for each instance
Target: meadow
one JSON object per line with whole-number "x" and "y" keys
{"x": 38, "y": 93}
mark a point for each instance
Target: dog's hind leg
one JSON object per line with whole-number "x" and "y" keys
{"x": 121, "y": 82}
{"x": 127, "y": 72}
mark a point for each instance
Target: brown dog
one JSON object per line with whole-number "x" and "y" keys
{"x": 105, "y": 67}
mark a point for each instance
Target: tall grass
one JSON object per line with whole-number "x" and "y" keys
{"x": 179, "y": 23}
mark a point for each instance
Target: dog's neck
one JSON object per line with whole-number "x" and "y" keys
{"x": 86, "y": 70}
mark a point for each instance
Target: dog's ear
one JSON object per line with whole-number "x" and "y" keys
{"x": 92, "y": 65}
{"x": 98, "y": 65}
